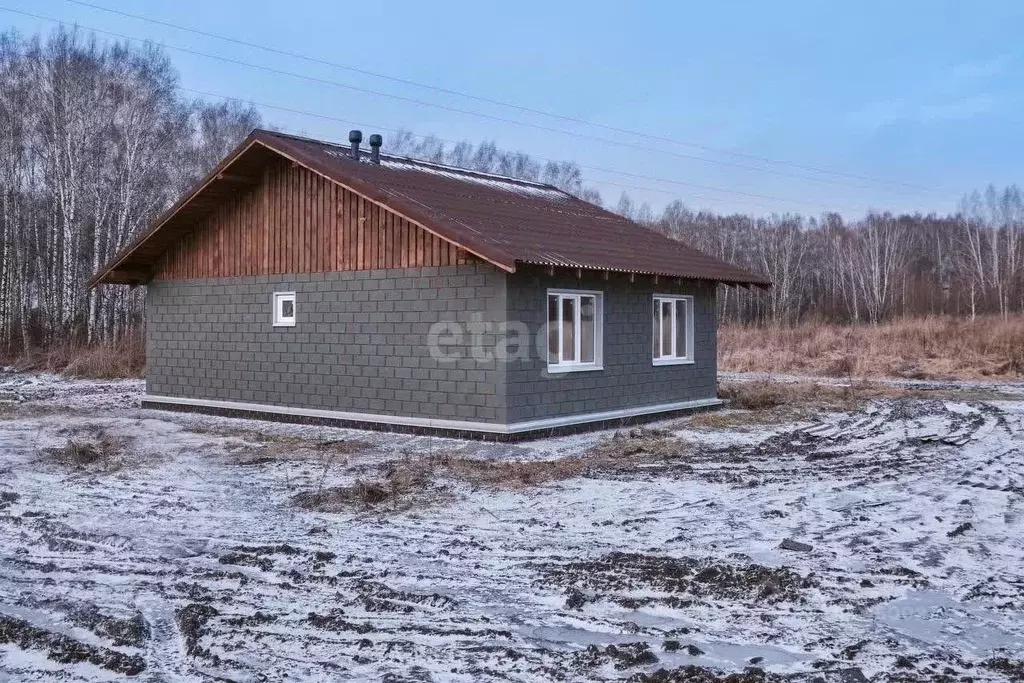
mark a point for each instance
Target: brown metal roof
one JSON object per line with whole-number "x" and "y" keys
{"x": 502, "y": 220}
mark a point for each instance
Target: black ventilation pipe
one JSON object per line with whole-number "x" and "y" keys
{"x": 375, "y": 142}
{"x": 355, "y": 137}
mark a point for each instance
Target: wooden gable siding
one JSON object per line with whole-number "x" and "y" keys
{"x": 295, "y": 221}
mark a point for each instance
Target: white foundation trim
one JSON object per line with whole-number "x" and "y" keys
{"x": 458, "y": 425}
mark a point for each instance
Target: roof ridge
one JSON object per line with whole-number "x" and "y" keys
{"x": 424, "y": 162}
{"x": 473, "y": 172}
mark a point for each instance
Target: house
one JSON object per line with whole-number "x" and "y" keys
{"x": 308, "y": 281}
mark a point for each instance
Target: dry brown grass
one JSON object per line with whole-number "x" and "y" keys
{"x": 770, "y": 401}
{"x": 765, "y": 395}
{"x": 765, "y": 402}
{"x": 280, "y": 446}
{"x": 500, "y": 474}
{"x": 92, "y": 449}
{"x": 403, "y": 486}
{"x": 922, "y": 348}
{"x": 740, "y": 420}
{"x": 105, "y": 360}
{"x": 625, "y": 449}
{"x": 417, "y": 480}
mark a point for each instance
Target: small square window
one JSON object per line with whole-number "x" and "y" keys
{"x": 284, "y": 309}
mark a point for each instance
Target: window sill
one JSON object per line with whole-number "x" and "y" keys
{"x": 582, "y": 367}
{"x": 285, "y": 324}
{"x": 672, "y": 361}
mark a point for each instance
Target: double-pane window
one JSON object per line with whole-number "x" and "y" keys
{"x": 574, "y": 330}
{"x": 672, "y": 329}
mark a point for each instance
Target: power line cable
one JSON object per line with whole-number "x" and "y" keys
{"x": 429, "y": 103}
{"x": 397, "y": 131}
{"x": 510, "y": 105}
{"x": 413, "y": 100}
{"x": 600, "y": 169}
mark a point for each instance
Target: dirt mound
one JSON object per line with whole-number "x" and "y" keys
{"x": 1012, "y": 669}
{"x": 66, "y": 650}
{"x": 682, "y": 579}
{"x": 90, "y": 448}
{"x": 698, "y": 674}
{"x": 257, "y": 556}
{"x": 890, "y": 437}
{"x": 336, "y": 621}
{"x": 377, "y": 597}
{"x": 133, "y": 631}
{"x": 192, "y": 620}
{"x": 404, "y": 485}
{"x": 639, "y": 442}
{"x": 624, "y": 656}
{"x": 246, "y": 560}
{"x": 252, "y": 446}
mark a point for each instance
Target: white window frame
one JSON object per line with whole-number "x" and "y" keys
{"x": 277, "y": 304}
{"x": 575, "y": 366}
{"x": 675, "y": 358}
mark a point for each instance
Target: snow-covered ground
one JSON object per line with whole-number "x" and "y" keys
{"x": 184, "y": 559}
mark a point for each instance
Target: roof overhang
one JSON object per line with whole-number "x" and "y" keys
{"x": 243, "y": 167}
{"x": 746, "y": 281}
{"x": 133, "y": 264}
{"x": 246, "y": 165}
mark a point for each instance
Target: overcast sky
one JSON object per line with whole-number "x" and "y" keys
{"x": 905, "y": 104}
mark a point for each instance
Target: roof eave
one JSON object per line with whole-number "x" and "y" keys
{"x": 745, "y": 279}
{"x": 122, "y": 269}
{"x": 101, "y": 276}
{"x": 279, "y": 145}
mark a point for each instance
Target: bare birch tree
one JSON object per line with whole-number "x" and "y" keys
{"x": 94, "y": 143}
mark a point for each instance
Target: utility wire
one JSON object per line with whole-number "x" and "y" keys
{"x": 600, "y": 169}
{"x": 571, "y": 119}
{"x": 323, "y": 81}
{"x": 397, "y": 131}
{"x": 501, "y": 103}
{"x": 413, "y": 100}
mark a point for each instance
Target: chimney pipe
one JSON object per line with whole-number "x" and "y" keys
{"x": 375, "y": 142}
{"x": 355, "y": 137}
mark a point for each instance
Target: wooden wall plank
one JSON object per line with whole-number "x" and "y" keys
{"x": 276, "y": 206}
{"x": 295, "y": 221}
{"x": 382, "y": 238}
{"x": 326, "y": 243}
{"x": 306, "y": 243}
{"x": 346, "y": 232}
{"x": 369, "y": 234}
{"x": 319, "y": 231}
{"x": 389, "y": 226}
{"x": 346, "y": 246}
{"x": 330, "y": 248}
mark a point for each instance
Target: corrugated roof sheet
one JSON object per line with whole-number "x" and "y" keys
{"x": 503, "y": 220}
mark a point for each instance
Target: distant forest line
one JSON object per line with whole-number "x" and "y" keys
{"x": 96, "y": 140}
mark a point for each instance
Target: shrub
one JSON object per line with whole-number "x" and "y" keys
{"x": 913, "y": 348}
{"x": 101, "y": 360}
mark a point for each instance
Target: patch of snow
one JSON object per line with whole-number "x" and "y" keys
{"x": 474, "y": 588}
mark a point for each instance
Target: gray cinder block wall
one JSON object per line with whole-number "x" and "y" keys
{"x": 360, "y": 344}
{"x": 629, "y": 378}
